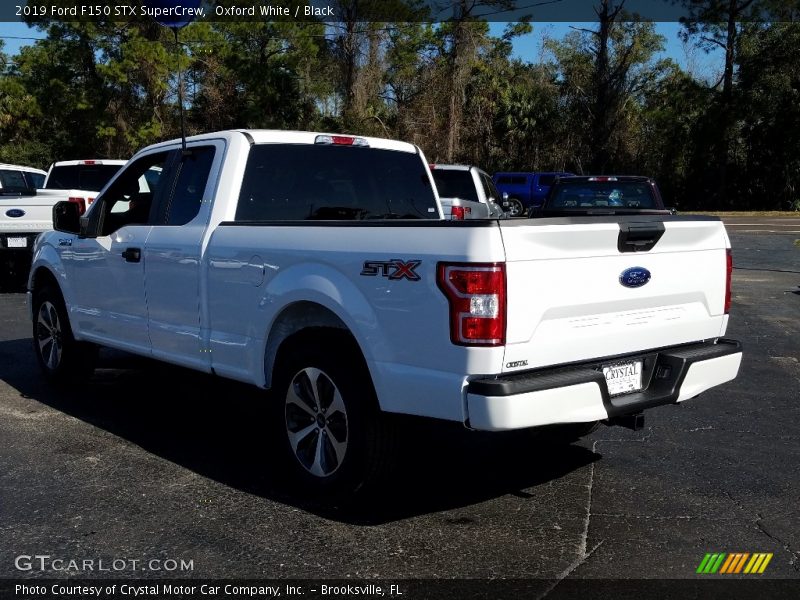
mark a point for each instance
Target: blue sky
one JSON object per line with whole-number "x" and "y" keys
{"x": 529, "y": 47}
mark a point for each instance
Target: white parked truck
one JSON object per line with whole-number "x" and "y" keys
{"x": 466, "y": 192}
{"x": 27, "y": 213}
{"x": 320, "y": 267}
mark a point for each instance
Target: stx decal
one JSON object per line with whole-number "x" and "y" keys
{"x": 395, "y": 269}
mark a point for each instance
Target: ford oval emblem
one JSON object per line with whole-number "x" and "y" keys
{"x": 634, "y": 277}
{"x": 15, "y": 213}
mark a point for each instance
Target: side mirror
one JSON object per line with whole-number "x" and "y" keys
{"x": 67, "y": 217}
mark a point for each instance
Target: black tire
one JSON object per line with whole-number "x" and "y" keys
{"x": 515, "y": 208}
{"x": 334, "y": 438}
{"x": 62, "y": 359}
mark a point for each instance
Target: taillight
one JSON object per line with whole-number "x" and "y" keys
{"x": 476, "y": 293}
{"x": 459, "y": 213}
{"x": 728, "y": 275}
{"x": 80, "y": 202}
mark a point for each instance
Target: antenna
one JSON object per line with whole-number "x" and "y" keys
{"x": 184, "y": 151}
{"x": 176, "y": 14}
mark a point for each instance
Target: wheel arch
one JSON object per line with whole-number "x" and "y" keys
{"x": 41, "y": 276}
{"x": 302, "y": 318}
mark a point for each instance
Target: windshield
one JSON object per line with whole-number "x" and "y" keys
{"x": 455, "y": 184}
{"x": 92, "y": 178}
{"x": 569, "y": 195}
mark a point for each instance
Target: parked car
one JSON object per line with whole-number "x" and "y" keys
{"x": 466, "y": 192}
{"x": 320, "y": 267}
{"x": 603, "y": 194}
{"x": 525, "y": 191}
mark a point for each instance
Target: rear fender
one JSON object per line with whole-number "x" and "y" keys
{"x": 314, "y": 295}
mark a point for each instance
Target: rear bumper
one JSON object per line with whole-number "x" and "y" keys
{"x": 578, "y": 393}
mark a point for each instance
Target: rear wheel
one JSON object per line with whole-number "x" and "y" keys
{"x": 515, "y": 208}
{"x": 61, "y": 358}
{"x": 334, "y": 437}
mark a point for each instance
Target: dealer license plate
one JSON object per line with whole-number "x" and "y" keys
{"x": 17, "y": 242}
{"x": 623, "y": 378}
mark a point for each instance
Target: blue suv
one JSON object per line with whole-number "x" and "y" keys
{"x": 525, "y": 191}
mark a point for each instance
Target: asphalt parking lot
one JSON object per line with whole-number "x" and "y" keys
{"x": 156, "y": 462}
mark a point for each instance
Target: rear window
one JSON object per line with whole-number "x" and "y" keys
{"x": 12, "y": 181}
{"x": 602, "y": 194}
{"x": 92, "y": 178}
{"x": 455, "y": 184}
{"x": 297, "y": 182}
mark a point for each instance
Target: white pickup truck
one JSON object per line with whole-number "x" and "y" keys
{"x": 466, "y": 192}
{"x": 24, "y": 216}
{"x": 320, "y": 267}
{"x": 17, "y": 195}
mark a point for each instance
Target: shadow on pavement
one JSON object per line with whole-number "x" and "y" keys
{"x": 216, "y": 428}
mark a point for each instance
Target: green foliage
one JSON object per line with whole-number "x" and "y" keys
{"x": 601, "y": 100}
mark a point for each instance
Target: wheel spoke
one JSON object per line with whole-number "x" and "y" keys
{"x": 44, "y": 350}
{"x": 304, "y": 390}
{"x": 294, "y": 399}
{"x": 44, "y": 318}
{"x": 52, "y": 359}
{"x": 43, "y": 337}
{"x": 317, "y": 467}
{"x": 336, "y": 405}
{"x": 54, "y": 319}
{"x": 296, "y": 437}
{"x": 42, "y": 324}
{"x": 338, "y": 447}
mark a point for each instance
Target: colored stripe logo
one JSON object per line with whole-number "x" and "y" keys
{"x": 734, "y": 563}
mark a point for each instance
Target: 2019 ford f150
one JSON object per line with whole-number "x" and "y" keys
{"x": 320, "y": 267}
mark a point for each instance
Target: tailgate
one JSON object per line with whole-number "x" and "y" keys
{"x": 26, "y": 214}
{"x": 567, "y": 302}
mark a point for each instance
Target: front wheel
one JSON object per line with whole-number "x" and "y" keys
{"x": 515, "y": 208}
{"x": 334, "y": 436}
{"x": 61, "y": 358}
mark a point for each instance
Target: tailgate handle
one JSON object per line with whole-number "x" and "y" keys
{"x": 639, "y": 237}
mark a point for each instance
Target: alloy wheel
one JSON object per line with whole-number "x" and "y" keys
{"x": 316, "y": 422}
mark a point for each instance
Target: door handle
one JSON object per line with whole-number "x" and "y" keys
{"x": 132, "y": 254}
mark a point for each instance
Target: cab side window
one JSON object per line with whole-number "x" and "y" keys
{"x": 130, "y": 199}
